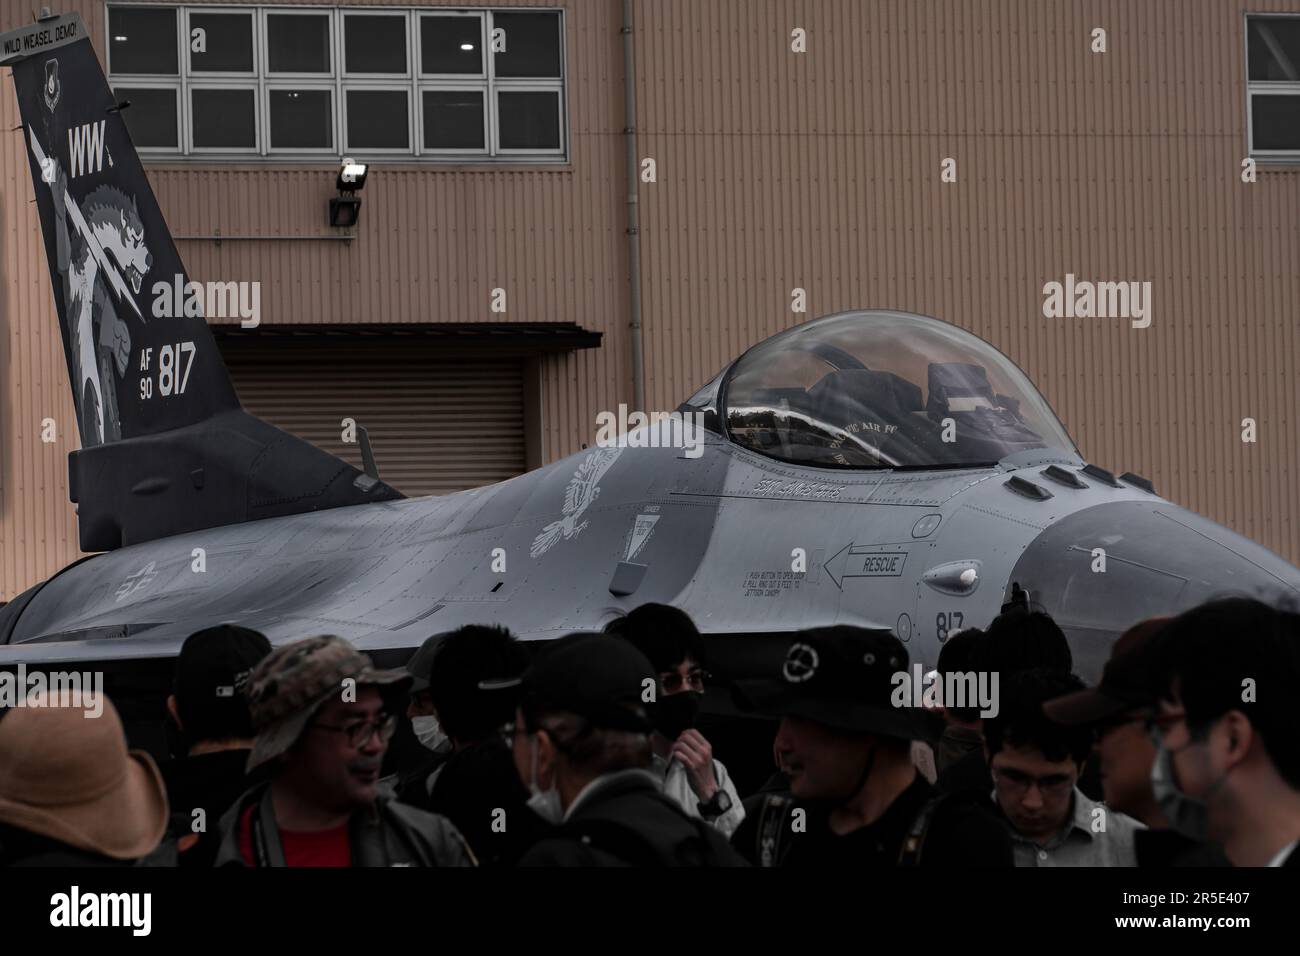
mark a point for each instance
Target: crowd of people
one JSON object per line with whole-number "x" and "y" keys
{"x": 588, "y": 751}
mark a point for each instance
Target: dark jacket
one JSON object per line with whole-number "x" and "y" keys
{"x": 623, "y": 819}
{"x": 387, "y": 833}
{"x": 211, "y": 782}
{"x": 922, "y": 827}
{"x": 479, "y": 791}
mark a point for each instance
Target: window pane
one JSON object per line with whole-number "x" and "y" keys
{"x": 302, "y": 119}
{"x": 453, "y": 119}
{"x": 151, "y": 117}
{"x": 374, "y": 44}
{"x": 227, "y": 39}
{"x": 529, "y": 120}
{"x": 532, "y": 44}
{"x": 451, "y": 45}
{"x": 142, "y": 40}
{"x": 1274, "y": 48}
{"x": 377, "y": 119}
{"x": 298, "y": 44}
{"x": 1276, "y": 121}
{"x": 223, "y": 119}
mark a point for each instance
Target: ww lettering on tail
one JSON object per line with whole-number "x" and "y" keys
{"x": 86, "y": 149}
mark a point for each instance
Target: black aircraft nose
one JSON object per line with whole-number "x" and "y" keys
{"x": 1101, "y": 570}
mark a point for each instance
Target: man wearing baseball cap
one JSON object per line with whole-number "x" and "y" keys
{"x": 1118, "y": 711}
{"x": 208, "y": 710}
{"x": 856, "y": 797}
{"x": 416, "y": 772}
{"x": 581, "y": 745}
{"x": 323, "y": 716}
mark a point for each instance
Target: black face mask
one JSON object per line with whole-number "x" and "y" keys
{"x": 676, "y": 712}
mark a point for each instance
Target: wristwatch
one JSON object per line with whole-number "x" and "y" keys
{"x": 716, "y": 805}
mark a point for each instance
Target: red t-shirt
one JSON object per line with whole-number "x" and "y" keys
{"x": 311, "y": 848}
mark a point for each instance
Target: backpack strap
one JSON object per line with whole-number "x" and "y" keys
{"x": 909, "y": 854}
{"x": 771, "y": 829}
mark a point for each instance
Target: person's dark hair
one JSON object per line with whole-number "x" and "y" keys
{"x": 1021, "y": 640}
{"x": 960, "y": 654}
{"x": 664, "y": 634}
{"x": 1021, "y": 722}
{"x": 1208, "y": 654}
{"x": 465, "y": 657}
{"x": 593, "y": 750}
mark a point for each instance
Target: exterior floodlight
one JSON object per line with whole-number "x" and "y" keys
{"x": 344, "y": 211}
{"x": 352, "y": 176}
{"x": 346, "y": 207}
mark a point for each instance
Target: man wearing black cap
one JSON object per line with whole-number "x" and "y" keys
{"x": 209, "y": 713}
{"x": 581, "y": 746}
{"x": 857, "y": 798}
{"x": 1118, "y": 711}
{"x": 417, "y": 772}
{"x": 477, "y": 788}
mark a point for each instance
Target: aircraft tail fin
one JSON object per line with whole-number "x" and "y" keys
{"x": 166, "y": 447}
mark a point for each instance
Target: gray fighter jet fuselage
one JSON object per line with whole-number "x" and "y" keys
{"x": 745, "y": 542}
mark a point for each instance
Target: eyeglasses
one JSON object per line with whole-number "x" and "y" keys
{"x": 672, "y": 681}
{"x": 360, "y": 732}
{"x": 1015, "y": 783}
{"x": 508, "y": 732}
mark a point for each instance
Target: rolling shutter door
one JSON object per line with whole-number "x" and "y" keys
{"x": 437, "y": 423}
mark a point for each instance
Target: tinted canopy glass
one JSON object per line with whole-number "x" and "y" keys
{"x": 885, "y": 390}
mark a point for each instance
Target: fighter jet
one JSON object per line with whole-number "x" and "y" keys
{"x": 873, "y": 468}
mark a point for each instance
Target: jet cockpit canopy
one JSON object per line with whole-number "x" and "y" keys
{"x": 877, "y": 389}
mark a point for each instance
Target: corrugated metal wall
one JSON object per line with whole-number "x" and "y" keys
{"x": 822, "y": 171}
{"x": 818, "y": 170}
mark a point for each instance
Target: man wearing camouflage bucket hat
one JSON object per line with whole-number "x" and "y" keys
{"x": 855, "y": 796}
{"x": 323, "y": 715}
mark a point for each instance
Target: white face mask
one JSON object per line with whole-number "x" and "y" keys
{"x": 429, "y": 733}
{"x": 545, "y": 803}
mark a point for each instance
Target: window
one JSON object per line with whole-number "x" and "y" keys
{"x": 1273, "y": 86}
{"x": 309, "y": 82}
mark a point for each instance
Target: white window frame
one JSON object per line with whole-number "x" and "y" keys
{"x": 304, "y": 87}
{"x": 231, "y": 11}
{"x": 449, "y": 87}
{"x": 1256, "y": 88}
{"x": 265, "y": 13}
{"x": 175, "y": 87}
{"x": 213, "y": 84}
{"x": 344, "y": 13}
{"x": 354, "y": 87}
{"x": 414, "y": 82}
{"x": 180, "y": 47}
{"x": 531, "y": 86}
{"x": 484, "y": 55}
